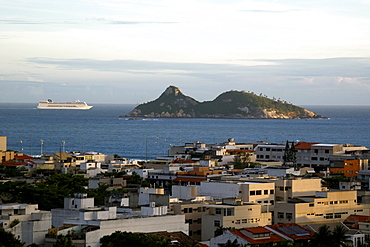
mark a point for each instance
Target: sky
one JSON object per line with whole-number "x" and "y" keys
{"x": 129, "y": 52}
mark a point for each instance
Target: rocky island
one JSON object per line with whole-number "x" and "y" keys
{"x": 172, "y": 103}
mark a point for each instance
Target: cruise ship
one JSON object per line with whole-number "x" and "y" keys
{"x": 49, "y": 104}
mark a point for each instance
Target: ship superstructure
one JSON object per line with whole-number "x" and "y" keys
{"x": 49, "y": 104}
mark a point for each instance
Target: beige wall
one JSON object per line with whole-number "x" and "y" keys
{"x": 244, "y": 216}
{"x": 326, "y": 207}
{"x": 193, "y": 216}
{"x": 3, "y": 143}
{"x": 289, "y": 188}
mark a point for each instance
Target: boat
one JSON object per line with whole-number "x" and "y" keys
{"x": 49, "y": 104}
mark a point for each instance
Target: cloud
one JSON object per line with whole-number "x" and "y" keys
{"x": 346, "y": 67}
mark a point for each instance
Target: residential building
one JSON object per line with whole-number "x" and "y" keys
{"x": 235, "y": 214}
{"x": 324, "y": 207}
{"x": 91, "y": 223}
{"x": 193, "y": 212}
{"x": 348, "y": 168}
{"x": 270, "y": 152}
{"x": 25, "y": 221}
{"x": 286, "y": 189}
{"x": 3, "y": 143}
{"x": 246, "y": 237}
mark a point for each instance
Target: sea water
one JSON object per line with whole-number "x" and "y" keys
{"x": 101, "y": 129}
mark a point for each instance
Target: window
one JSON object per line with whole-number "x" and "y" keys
{"x": 218, "y": 211}
{"x": 185, "y": 210}
{"x": 244, "y": 221}
{"x": 228, "y": 212}
{"x": 265, "y": 192}
{"x": 217, "y": 223}
{"x": 289, "y": 216}
{"x": 258, "y": 192}
{"x": 311, "y": 204}
{"x": 271, "y": 192}
{"x": 313, "y": 158}
{"x": 328, "y": 216}
{"x": 252, "y": 193}
{"x": 280, "y": 215}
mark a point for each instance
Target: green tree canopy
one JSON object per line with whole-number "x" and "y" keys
{"x": 118, "y": 239}
{"x": 7, "y": 239}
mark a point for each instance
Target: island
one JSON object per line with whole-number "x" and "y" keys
{"x": 172, "y": 103}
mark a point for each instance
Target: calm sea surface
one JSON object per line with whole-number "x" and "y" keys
{"x": 101, "y": 130}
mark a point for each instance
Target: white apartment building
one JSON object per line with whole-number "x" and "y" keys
{"x": 270, "y": 152}
{"x": 79, "y": 211}
{"x": 25, "y": 221}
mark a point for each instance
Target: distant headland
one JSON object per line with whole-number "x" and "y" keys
{"x": 172, "y": 103}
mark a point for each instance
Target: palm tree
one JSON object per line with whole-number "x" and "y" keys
{"x": 322, "y": 238}
{"x": 339, "y": 236}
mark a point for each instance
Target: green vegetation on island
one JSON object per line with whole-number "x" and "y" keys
{"x": 232, "y": 104}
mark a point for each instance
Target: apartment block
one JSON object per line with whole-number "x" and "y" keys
{"x": 324, "y": 207}
{"x": 240, "y": 215}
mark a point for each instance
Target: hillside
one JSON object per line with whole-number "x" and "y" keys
{"x": 173, "y": 103}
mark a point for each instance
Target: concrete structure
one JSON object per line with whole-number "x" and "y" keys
{"x": 79, "y": 211}
{"x": 286, "y": 189}
{"x": 270, "y": 152}
{"x": 3, "y": 143}
{"x": 25, "y": 221}
{"x": 193, "y": 216}
{"x": 237, "y": 215}
{"x": 324, "y": 207}
{"x": 348, "y": 168}
{"x": 246, "y": 237}
{"x": 254, "y": 192}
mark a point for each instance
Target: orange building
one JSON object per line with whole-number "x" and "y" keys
{"x": 347, "y": 168}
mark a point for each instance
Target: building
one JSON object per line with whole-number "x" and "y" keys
{"x": 3, "y": 143}
{"x": 286, "y": 189}
{"x": 246, "y": 237}
{"x": 324, "y": 207}
{"x": 193, "y": 212}
{"x": 270, "y": 234}
{"x": 270, "y": 152}
{"x": 91, "y": 223}
{"x": 25, "y": 221}
{"x": 232, "y": 213}
{"x": 348, "y": 168}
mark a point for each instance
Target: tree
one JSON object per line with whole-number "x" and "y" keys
{"x": 118, "y": 239}
{"x": 232, "y": 244}
{"x": 326, "y": 238}
{"x": 241, "y": 161}
{"x": 339, "y": 236}
{"x": 100, "y": 194}
{"x": 290, "y": 157}
{"x": 64, "y": 241}
{"x": 7, "y": 239}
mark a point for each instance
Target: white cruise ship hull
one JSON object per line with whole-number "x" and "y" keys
{"x": 77, "y": 105}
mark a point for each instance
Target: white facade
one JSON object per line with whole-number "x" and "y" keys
{"x": 80, "y": 211}
{"x": 33, "y": 223}
{"x": 270, "y": 152}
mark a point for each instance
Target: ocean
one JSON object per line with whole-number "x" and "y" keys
{"x": 34, "y": 131}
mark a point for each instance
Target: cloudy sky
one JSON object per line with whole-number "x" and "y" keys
{"x": 117, "y": 51}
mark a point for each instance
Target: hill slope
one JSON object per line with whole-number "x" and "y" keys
{"x": 231, "y": 104}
